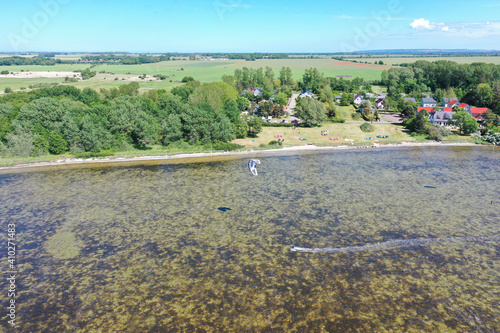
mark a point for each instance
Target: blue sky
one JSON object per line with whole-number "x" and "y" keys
{"x": 247, "y": 26}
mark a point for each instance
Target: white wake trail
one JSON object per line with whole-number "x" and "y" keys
{"x": 395, "y": 244}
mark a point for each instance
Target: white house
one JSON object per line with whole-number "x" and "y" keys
{"x": 428, "y": 102}
{"x": 379, "y": 103}
{"x": 358, "y": 99}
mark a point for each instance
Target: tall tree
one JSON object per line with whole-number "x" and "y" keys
{"x": 465, "y": 122}
{"x": 313, "y": 80}
{"x": 312, "y": 112}
{"x": 214, "y": 94}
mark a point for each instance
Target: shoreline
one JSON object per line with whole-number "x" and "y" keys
{"x": 192, "y": 156}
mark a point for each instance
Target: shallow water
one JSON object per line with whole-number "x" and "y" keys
{"x": 205, "y": 247}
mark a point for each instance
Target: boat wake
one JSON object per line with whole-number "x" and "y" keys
{"x": 396, "y": 244}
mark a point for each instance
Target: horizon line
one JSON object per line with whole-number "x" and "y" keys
{"x": 263, "y": 52}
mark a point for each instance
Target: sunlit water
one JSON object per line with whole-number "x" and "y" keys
{"x": 205, "y": 247}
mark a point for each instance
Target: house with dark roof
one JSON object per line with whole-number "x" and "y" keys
{"x": 306, "y": 94}
{"x": 441, "y": 118}
{"x": 428, "y": 102}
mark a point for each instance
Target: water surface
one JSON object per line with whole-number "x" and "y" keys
{"x": 204, "y": 247}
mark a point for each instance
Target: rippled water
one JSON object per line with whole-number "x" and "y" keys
{"x": 205, "y": 246}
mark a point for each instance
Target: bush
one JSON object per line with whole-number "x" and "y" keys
{"x": 435, "y": 134}
{"x": 8, "y": 90}
{"x": 275, "y": 143}
{"x": 491, "y": 137}
{"x": 90, "y": 154}
{"x": 20, "y": 143}
{"x": 367, "y": 127}
{"x": 337, "y": 120}
{"x": 225, "y": 146}
{"x": 186, "y": 79}
{"x": 264, "y": 124}
{"x": 356, "y": 116}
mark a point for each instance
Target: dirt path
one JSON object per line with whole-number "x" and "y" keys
{"x": 393, "y": 118}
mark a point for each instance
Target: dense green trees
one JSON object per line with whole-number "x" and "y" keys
{"x": 311, "y": 111}
{"x": 408, "y": 111}
{"x": 417, "y": 124}
{"x": 465, "y": 122}
{"x": 16, "y": 60}
{"x": 476, "y": 84}
{"x": 63, "y": 118}
{"x": 313, "y": 80}
{"x": 214, "y": 93}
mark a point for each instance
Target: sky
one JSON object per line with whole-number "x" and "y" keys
{"x": 290, "y": 26}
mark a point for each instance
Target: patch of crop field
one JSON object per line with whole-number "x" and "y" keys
{"x": 209, "y": 71}
{"x": 206, "y": 71}
{"x": 459, "y": 60}
{"x": 17, "y": 84}
{"x": 379, "y": 89}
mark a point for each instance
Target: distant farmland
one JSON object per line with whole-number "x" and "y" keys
{"x": 393, "y": 60}
{"x": 213, "y": 70}
{"x": 204, "y": 71}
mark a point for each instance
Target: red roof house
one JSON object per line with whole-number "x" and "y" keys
{"x": 478, "y": 110}
{"x": 429, "y": 109}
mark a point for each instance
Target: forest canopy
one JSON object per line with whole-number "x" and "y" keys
{"x": 64, "y": 118}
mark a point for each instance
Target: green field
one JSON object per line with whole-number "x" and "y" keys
{"x": 17, "y": 84}
{"x": 204, "y": 71}
{"x": 213, "y": 70}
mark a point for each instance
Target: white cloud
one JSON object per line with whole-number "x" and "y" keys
{"x": 423, "y": 24}
{"x": 476, "y": 29}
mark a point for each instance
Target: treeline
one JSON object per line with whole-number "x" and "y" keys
{"x": 24, "y": 61}
{"x": 126, "y": 59}
{"x": 476, "y": 84}
{"x": 64, "y": 118}
{"x": 247, "y": 56}
{"x": 312, "y": 79}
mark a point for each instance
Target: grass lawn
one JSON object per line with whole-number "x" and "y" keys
{"x": 396, "y": 133}
{"x": 313, "y": 135}
{"x": 345, "y": 112}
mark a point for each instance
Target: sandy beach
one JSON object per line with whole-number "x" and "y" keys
{"x": 179, "y": 158}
